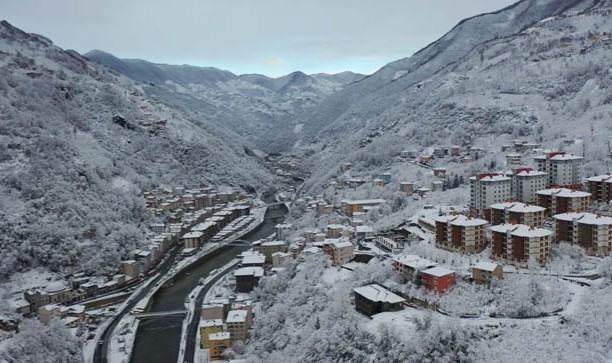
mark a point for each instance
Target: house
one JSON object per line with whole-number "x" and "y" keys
{"x": 385, "y": 177}
{"x": 600, "y": 187}
{"x": 192, "y": 239}
{"x": 237, "y": 325}
{"x": 334, "y": 230}
{"x": 269, "y": 247}
{"x": 217, "y": 344}
{"x": 563, "y": 200}
{"x": 593, "y": 232}
{"x": 247, "y": 278}
{"x": 280, "y": 259}
{"x": 518, "y": 243}
{"x": 208, "y": 327}
{"x": 49, "y": 312}
{"x": 438, "y": 279}
{"x": 439, "y": 172}
{"x": 483, "y": 272}
{"x": 514, "y": 159}
{"x": 281, "y": 230}
{"x": 130, "y": 268}
{"x": 212, "y": 311}
{"x": 342, "y": 252}
{"x": 460, "y": 233}
{"x": 364, "y": 232}
{"x": 351, "y": 206}
{"x": 437, "y": 186}
{"x": 254, "y": 259}
{"x": 526, "y": 182}
{"x": 487, "y": 189}
{"x": 455, "y": 150}
{"x": 407, "y": 187}
{"x": 440, "y": 152}
{"x": 374, "y": 299}
{"x": 378, "y": 182}
{"x": 516, "y": 212}
{"x": 409, "y": 267}
{"x": 562, "y": 170}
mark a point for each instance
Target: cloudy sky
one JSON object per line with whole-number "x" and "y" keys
{"x": 272, "y": 37}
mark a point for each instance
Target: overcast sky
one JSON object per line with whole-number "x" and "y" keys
{"x": 272, "y": 37}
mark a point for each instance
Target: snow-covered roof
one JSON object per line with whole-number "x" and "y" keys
{"x": 273, "y": 243}
{"x": 485, "y": 266}
{"x": 280, "y": 254}
{"x": 253, "y": 259}
{"x": 586, "y": 218}
{"x": 249, "y": 271}
{"x": 531, "y": 173}
{"x": 438, "y": 271}
{"x": 600, "y": 178}
{"x": 521, "y": 230}
{"x": 415, "y": 262}
{"x": 193, "y": 235}
{"x": 461, "y": 220}
{"x": 219, "y": 336}
{"x": 566, "y": 157}
{"x": 365, "y": 201}
{"x": 210, "y": 322}
{"x": 236, "y": 316}
{"x": 518, "y": 207}
{"x": 342, "y": 244}
{"x": 56, "y": 286}
{"x": 564, "y": 192}
{"x": 378, "y": 293}
{"x": 491, "y": 178}
{"x": 311, "y": 250}
{"x": 364, "y": 229}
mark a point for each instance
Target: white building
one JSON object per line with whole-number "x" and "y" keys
{"x": 526, "y": 182}
{"x": 561, "y": 169}
{"x": 487, "y": 189}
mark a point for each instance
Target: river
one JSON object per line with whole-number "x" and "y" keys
{"x": 158, "y": 338}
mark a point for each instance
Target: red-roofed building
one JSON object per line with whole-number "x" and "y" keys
{"x": 438, "y": 279}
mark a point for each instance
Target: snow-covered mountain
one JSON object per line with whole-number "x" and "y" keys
{"x": 534, "y": 70}
{"x": 78, "y": 145}
{"x": 251, "y": 104}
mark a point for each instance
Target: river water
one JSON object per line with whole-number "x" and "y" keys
{"x": 158, "y": 338}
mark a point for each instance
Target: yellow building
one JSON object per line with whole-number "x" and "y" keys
{"x": 208, "y": 327}
{"x": 218, "y": 342}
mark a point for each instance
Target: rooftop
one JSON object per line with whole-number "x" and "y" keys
{"x": 253, "y": 259}
{"x": 521, "y": 230}
{"x": 249, "y": 271}
{"x": 219, "y": 336}
{"x": 210, "y": 322}
{"x": 485, "y": 266}
{"x": 378, "y": 293}
{"x": 438, "y": 271}
{"x": 342, "y": 244}
{"x": 461, "y": 220}
{"x": 236, "y": 316}
{"x": 564, "y": 192}
{"x": 193, "y": 235}
{"x": 518, "y": 207}
{"x": 586, "y": 218}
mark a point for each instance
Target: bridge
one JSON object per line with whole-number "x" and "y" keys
{"x": 158, "y": 313}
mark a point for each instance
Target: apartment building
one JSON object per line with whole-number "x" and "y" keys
{"x": 208, "y": 327}
{"x": 217, "y": 344}
{"x": 484, "y": 272}
{"x": 600, "y": 187}
{"x": 409, "y": 267}
{"x": 237, "y": 325}
{"x": 438, "y": 279}
{"x": 562, "y": 170}
{"x": 487, "y": 189}
{"x": 526, "y": 182}
{"x": 517, "y": 243}
{"x": 518, "y": 213}
{"x": 460, "y": 233}
{"x": 593, "y": 232}
{"x": 342, "y": 252}
{"x": 563, "y": 200}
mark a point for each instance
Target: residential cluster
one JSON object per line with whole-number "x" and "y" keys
{"x": 187, "y": 218}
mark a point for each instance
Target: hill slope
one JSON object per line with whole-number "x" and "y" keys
{"x": 251, "y": 104}
{"x": 67, "y": 168}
